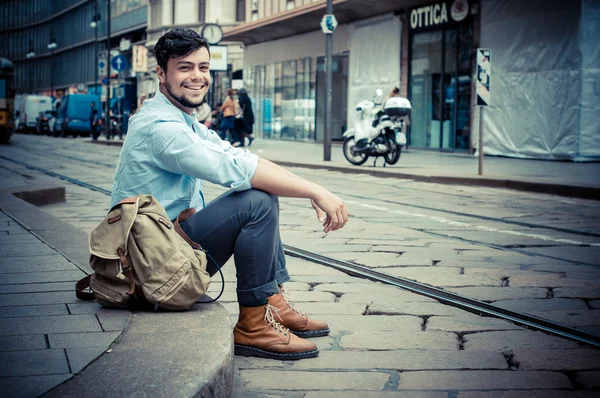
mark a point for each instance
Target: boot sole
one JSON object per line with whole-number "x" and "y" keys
{"x": 311, "y": 333}
{"x": 247, "y": 351}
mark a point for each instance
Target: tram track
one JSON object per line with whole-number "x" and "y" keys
{"x": 415, "y": 206}
{"x": 452, "y": 299}
{"x": 471, "y": 241}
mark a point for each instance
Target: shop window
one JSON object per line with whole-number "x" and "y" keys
{"x": 202, "y": 11}
{"x": 240, "y": 10}
{"x": 254, "y": 10}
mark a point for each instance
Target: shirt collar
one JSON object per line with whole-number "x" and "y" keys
{"x": 189, "y": 119}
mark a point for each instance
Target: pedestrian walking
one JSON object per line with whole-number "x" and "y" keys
{"x": 93, "y": 120}
{"x": 228, "y": 121}
{"x": 204, "y": 114}
{"x": 245, "y": 122}
{"x": 168, "y": 153}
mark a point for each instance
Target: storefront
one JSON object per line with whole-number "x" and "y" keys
{"x": 440, "y": 75}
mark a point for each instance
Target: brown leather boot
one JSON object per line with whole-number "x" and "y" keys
{"x": 300, "y": 324}
{"x": 258, "y": 334}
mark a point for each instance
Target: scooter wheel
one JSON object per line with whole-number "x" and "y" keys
{"x": 356, "y": 159}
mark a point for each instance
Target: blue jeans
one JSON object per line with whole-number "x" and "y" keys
{"x": 246, "y": 225}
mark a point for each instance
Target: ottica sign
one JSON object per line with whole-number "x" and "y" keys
{"x": 439, "y": 14}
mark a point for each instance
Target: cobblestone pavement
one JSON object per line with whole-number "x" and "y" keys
{"x": 531, "y": 253}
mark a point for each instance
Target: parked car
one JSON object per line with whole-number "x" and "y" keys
{"x": 73, "y": 116}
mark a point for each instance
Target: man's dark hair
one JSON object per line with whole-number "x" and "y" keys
{"x": 177, "y": 43}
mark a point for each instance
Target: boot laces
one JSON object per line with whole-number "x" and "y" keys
{"x": 269, "y": 311}
{"x": 287, "y": 297}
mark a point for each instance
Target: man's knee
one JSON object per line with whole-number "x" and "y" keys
{"x": 263, "y": 201}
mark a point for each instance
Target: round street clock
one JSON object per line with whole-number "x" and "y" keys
{"x": 212, "y": 33}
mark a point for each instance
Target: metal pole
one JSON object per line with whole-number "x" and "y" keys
{"x": 108, "y": 126}
{"x": 51, "y": 72}
{"x": 96, "y": 51}
{"x": 480, "y": 146}
{"x": 328, "y": 89}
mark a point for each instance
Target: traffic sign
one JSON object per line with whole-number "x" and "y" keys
{"x": 102, "y": 67}
{"x": 328, "y": 23}
{"x": 119, "y": 62}
{"x": 105, "y": 80}
{"x": 484, "y": 68}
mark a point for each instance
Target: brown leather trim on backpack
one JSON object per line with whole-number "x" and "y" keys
{"x": 184, "y": 215}
{"x": 127, "y": 269}
{"x": 80, "y": 288}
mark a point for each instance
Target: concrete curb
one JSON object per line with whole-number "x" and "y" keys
{"x": 572, "y": 191}
{"x": 159, "y": 353}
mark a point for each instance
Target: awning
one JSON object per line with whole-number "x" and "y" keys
{"x": 307, "y": 18}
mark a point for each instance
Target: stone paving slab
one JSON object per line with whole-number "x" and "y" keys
{"x": 81, "y": 340}
{"x": 23, "y": 342}
{"x": 501, "y": 293}
{"x": 515, "y": 339}
{"x": 403, "y": 360}
{"x": 51, "y": 324}
{"x": 388, "y": 340}
{"x": 305, "y": 380}
{"x": 400, "y": 324}
{"x": 527, "y": 394}
{"x": 467, "y": 323}
{"x": 37, "y": 287}
{"x": 41, "y": 277}
{"x": 378, "y": 394}
{"x": 33, "y": 363}
{"x": 557, "y": 359}
{"x": 31, "y": 386}
{"x": 588, "y": 380}
{"x": 412, "y": 308}
{"x": 482, "y": 380}
{"x": 573, "y": 318}
{"x": 8, "y": 300}
{"x": 33, "y": 310}
{"x": 553, "y": 304}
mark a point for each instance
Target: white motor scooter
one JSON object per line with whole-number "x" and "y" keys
{"x": 377, "y": 132}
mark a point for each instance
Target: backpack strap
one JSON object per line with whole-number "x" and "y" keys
{"x": 80, "y": 289}
{"x": 184, "y": 215}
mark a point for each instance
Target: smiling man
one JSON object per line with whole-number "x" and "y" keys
{"x": 168, "y": 154}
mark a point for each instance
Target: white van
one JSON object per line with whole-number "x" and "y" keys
{"x": 31, "y": 108}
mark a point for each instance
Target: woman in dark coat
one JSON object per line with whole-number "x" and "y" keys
{"x": 244, "y": 124}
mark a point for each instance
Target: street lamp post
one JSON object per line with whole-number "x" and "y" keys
{"x": 51, "y": 46}
{"x": 94, "y": 24}
{"x": 30, "y": 54}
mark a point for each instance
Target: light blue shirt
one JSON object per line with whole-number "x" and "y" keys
{"x": 167, "y": 154}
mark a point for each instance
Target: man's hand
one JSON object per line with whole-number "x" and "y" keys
{"x": 333, "y": 208}
{"x": 320, "y": 213}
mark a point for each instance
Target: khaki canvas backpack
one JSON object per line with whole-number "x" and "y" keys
{"x": 140, "y": 259}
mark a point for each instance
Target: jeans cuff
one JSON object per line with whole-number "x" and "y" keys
{"x": 282, "y": 276}
{"x": 257, "y": 295}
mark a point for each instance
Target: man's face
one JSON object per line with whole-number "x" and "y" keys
{"x": 186, "y": 79}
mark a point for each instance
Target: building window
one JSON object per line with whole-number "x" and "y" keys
{"x": 202, "y": 11}
{"x": 240, "y": 10}
{"x": 254, "y": 10}
{"x": 290, "y": 4}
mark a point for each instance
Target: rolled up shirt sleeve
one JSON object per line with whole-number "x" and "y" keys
{"x": 184, "y": 152}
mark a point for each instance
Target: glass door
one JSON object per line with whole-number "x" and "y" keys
{"x": 426, "y": 66}
{"x": 440, "y": 90}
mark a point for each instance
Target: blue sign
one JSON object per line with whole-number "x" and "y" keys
{"x": 118, "y": 62}
{"x": 105, "y": 80}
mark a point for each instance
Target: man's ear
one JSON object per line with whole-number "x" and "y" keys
{"x": 162, "y": 75}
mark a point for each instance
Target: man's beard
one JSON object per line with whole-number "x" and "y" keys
{"x": 183, "y": 100}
